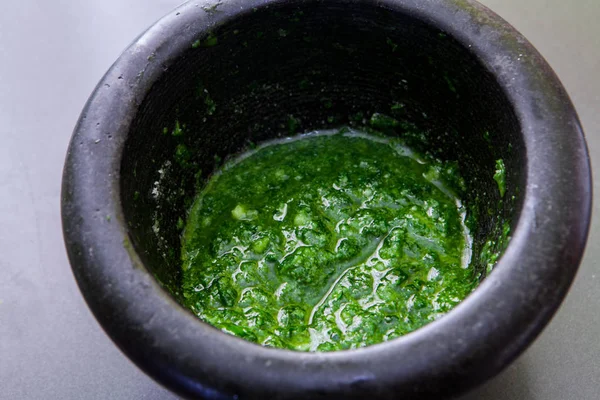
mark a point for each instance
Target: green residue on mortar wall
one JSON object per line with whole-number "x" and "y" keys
{"x": 211, "y": 9}
{"x": 477, "y": 13}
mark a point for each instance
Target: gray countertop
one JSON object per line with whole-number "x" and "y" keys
{"x": 52, "y": 54}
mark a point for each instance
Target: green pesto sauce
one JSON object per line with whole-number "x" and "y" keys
{"x": 327, "y": 241}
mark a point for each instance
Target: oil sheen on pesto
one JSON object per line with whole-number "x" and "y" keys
{"x": 326, "y": 241}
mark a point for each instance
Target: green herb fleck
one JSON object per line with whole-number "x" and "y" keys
{"x": 358, "y": 117}
{"x": 500, "y": 176}
{"x": 383, "y": 122}
{"x": 486, "y": 136}
{"x": 304, "y": 83}
{"x": 450, "y": 83}
{"x": 327, "y": 102}
{"x": 296, "y": 16}
{"x": 204, "y": 95}
{"x": 211, "y": 106}
{"x": 177, "y": 131}
{"x": 182, "y": 155}
{"x": 396, "y": 107}
{"x": 198, "y": 179}
{"x": 210, "y": 41}
{"x": 393, "y": 45}
{"x": 293, "y": 125}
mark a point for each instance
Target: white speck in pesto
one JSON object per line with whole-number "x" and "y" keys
{"x": 279, "y": 290}
{"x": 433, "y": 273}
{"x": 339, "y": 242}
{"x": 281, "y": 213}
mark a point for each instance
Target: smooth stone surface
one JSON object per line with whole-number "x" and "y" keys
{"x": 50, "y": 344}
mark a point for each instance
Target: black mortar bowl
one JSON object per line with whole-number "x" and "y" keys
{"x": 217, "y": 77}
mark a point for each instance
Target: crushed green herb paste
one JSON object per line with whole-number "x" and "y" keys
{"x": 327, "y": 241}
